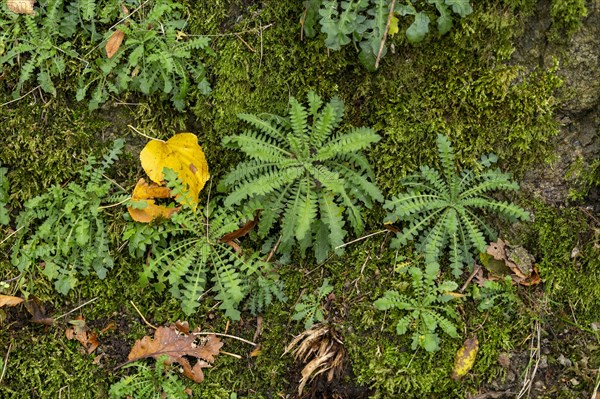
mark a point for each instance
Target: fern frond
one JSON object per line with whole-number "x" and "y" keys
{"x": 332, "y": 216}
{"x": 358, "y": 139}
{"x": 326, "y": 122}
{"x": 263, "y": 185}
{"x": 307, "y": 211}
{"x": 298, "y": 118}
{"x": 292, "y": 175}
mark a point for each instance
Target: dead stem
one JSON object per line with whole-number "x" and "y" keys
{"x": 142, "y": 316}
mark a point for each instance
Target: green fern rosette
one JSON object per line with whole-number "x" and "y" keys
{"x": 191, "y": 259}
{"x": 445, "y": 209}
{"x": 425, "y": 309}
{"x": 304, "y": 175}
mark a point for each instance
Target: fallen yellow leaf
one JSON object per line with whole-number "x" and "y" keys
{"x": 146, "y": 192}
{"x": 182, "y": 154}
{"x": 393, "y": 26}
{"x": 465, "y": 358}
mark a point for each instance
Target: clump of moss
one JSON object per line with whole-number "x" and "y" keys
{"x": 566, "y": 18}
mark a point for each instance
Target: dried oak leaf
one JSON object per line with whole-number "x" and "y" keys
{"x": 8, "y": 300}
{"x": 81, "y": 332}
{"x": 465, "y": 358}
{"x": 21, "y": 6}
{"x": 147, "y": 193}
{"x": 176, "y": 346}
{"x": 184, "y": 156}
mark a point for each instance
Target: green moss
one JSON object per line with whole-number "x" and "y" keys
{"x": 566, "y": 18}
{"x": 568, "y": 258}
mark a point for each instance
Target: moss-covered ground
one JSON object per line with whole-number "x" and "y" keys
{"x": 463, "y": 85}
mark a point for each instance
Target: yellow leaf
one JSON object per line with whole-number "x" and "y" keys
{"x": 7, "y": 300}
{"x": 393, "y": 26}
{"x": 465, "y": 358}
{"x": 183, "y": 154}
{"x": 145, "y": 192}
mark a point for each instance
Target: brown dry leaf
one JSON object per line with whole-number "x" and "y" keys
{"x": 322, "y": 349}
{"x": 146, "y": 192}
{"x": 114, "y": 43}
{"x": 242, "y": 231}
{"x": 21, "y": 6}
{"x": 465, "y": 358}
{"x": 8, "y": 300}
{"x": 167, "y": 341}
{"x": 36, "y": 308}
{"x": 184, "y": 156}
{"x": 501, "y": 258}
{"x": 82, "y": 333}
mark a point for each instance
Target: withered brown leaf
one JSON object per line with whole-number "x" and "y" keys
{"x": 81, "y": 332}
{"x": 176, "y": 346}
{"x": 36, "y": 308}
{"x": 8, "y": 300}
{"x": 114, "y": 43}
{"x": 21, "y": 6}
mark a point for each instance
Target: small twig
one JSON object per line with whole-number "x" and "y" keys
{"x": 225, "y": 335}
{"x": 12, "y": 279}
{"x": 595, "y": 393}
{"x": 466, "y": 284}
{"x": 272, "y": 252}
{"x": 261, "y": 45}
{"x": 535, "y": 353}
{"x": 245, "y": 43}
{"x": 360, "y": 239}
{"x": 142, "y": 316}
{"x": 144, "y": 135}
{"x": 5, "y": 363}
{"x": 113, "y": 205}
{"x": 22, "y": 97}
{"x": 387, "y": 28}
{"x": 76, "y": 309}
{"x": 114, "y": 182}
{"x": 11, "y": 234}
{"x": 253, "y": 30}
{"x": 222, "y": 352}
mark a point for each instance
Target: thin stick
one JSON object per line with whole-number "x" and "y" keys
{"x": 261, "y": 45}
{"x": 246, "y": 44}
{"x": 113, "y": 205}
{"x": 5, "y": 363}
{"x": 236, "y": 33}
{"x": 114, "y": 182}
{"x": 225, "y": 335}
{"x": 230, "y": 354}
{"x": 22, "y": 97}
{"x": 76, "y": 309}
{"x": 387, "y": 28}
{"x": 466, "y": 284}
{"x": 12, "y": 279}
{"x": 361, "y": 238}
{"x": 595, "y": 393}
{"x": 11, "y": 234}
{"x": 142, "y": 316}
{"x": 144, "y": 135}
